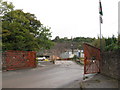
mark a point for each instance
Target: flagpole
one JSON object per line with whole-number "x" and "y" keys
{"x": 100, "y": 28}
{"x": 100, "y": 33}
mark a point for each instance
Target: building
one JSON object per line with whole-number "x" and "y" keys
{"x": 70, "y": 54}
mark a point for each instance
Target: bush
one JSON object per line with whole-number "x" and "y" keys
{"x": 112, "y": 47}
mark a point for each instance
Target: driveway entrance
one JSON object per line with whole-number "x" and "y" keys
{"x": 59, "y": 75}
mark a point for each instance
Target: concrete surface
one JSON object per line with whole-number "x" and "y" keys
{"x": 99, "y": 81}
{"x": 61, "y": 75}
{"x": 64, "y": 74}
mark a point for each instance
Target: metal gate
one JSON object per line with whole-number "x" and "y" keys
{"x": 91, "y": 59}
{"x": 13, "y": 60}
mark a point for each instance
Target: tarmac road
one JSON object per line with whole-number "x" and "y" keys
{"x": 64, "y": 74}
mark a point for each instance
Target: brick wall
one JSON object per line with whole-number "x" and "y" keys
{"x": 110, "y": 64}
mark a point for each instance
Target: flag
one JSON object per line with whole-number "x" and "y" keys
{"x": 100, "y": 8}
{"x": 100, "y": 11}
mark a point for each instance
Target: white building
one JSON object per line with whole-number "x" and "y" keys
{"x": 68, "y": 54}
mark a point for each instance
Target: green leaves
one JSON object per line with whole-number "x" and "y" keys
{"x": 107, "y": 44}
{"x": 22, "y": 31}
{"x": 44, "y": 37}
{"x": 5, "y": 7}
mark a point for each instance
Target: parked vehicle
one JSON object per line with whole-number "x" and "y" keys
{"x": 41, "y": 58}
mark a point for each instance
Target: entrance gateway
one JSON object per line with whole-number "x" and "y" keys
{"x": 91, "y": 59}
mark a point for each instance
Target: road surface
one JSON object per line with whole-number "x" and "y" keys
{"x": 64, "y": 74}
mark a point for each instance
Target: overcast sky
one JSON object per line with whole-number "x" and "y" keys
{"x": 73, "y": 17}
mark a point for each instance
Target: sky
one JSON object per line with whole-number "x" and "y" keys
{"x": 119, "y": 18}
{"x": 73, "y": 18}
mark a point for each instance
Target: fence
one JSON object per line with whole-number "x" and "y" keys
{"x": 12, "y": 60}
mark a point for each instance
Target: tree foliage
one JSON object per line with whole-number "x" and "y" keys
{"x": 76, "y": 39}
{"x": 107, "y": 44}
{"x": 22, "y": 31}
{"x": 97, "y": 41}
{"x": 5, "y": 7}
{"x": 112, "y": 43}
{"x": 77, "y": 42}
{"x": 43, "y": 37}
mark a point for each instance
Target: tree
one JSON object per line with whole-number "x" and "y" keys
{"x": 96, "y": 43}
{"x": 112, "y": 44}
{"x": 5, "y": 7}
{"x": 44, "y": 38}
{"x": 108, "y": 44}
{"x": 22, "y": 31}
